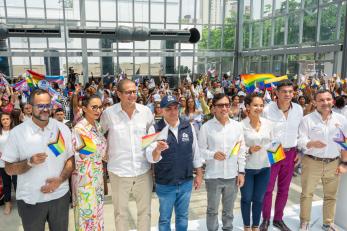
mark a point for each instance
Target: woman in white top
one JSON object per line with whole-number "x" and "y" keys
{"x": 6, "y": 124}
{"x": 258, "y": 136}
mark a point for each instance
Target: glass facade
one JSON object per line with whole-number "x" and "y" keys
{"x": 277, "y": 36}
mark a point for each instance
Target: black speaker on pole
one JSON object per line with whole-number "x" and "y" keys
{"x": 52, "y": 63}
{"x": 4, "y": 67}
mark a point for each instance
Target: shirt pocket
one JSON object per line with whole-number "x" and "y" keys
{"x": 317, "y": 133}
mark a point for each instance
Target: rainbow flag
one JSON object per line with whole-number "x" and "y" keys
{"x": 235, "y": 149}
{"x": 21, "y": 86}
{"x": 58, "y": 145}
{"x": 251, "y": 80}
{"x": 276, "y": 153}
{"x": 275, "y": 80}
{"x": 87, "y": 146}
{"x": 341, "y": 140}
{"x": 150, "y": 138}
{"x": 57, "y": 79}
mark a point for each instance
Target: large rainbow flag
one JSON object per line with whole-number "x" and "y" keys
{"x": 252, "y": 81}
{"x": 33, "y": 78}
{"x": 276, "y": 153}
{"x": 58, "y": 145}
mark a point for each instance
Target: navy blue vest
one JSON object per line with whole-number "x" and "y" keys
{"x": 176, "y": 165}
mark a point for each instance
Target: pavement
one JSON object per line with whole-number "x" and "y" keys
{"x": 197, "y": 212}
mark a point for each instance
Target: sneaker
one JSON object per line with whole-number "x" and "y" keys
{"x": 329, "y": 227}
{"x": 304, "y": 226}
{"x": 264, "y": 225}
{"x": 281, "y": 225}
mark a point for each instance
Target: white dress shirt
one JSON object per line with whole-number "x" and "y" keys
{"x": 313, "y": 128}
{"x": 215, "y": 137}
{"x": 28, "y": 139}
{"x": 197, "y": 161}
{"x": 3, "y": 140}
{"x": 285, "y": 129}
{"x": 126, "y": 157}
{"x": 263, "y": 138}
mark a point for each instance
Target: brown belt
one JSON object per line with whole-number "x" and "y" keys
{"x": 325, "y": 160}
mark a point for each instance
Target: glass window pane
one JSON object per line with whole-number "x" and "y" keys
{"x": 328, "y": 23}
{"x": 266, "y": 33}
{"x": 37, "y": 11}
{"x": 294, "y": 5}
{"x": 246, "y": 34}
{"x": 15, "y": 8}
{"x": 279, "y": 31}
{"x": 92, "y": 10}
{"x": 172, "y": 11}
{"x": 125, "y": 11}
{"x": 342, "y": 21}
{"x": 157, "y": 12}
{"x": 267, "y": 11}
{"x": 256, "y": 9}
{"x": 247, "y": 10}
{"x": 229, "y": 33}
{"x": 310, "y": 26}
{"x": 141, "y": 11}
{"x": 216, "y": 35}
{"x": 280, "y": 6}
{"x": 293, "y": 29}
{"x": 108, "y": 11}
{"x": 256, "y": 34}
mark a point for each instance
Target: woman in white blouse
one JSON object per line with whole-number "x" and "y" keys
{"x": 6, "y": 125}
{"x": 258, "y": 136}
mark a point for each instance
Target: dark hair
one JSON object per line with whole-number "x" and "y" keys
{"x": 321, "y": 91}
{"x": 339, "y": 102}
{"x": 302, "y": 96}
{"x": 12, "y": 123}
{"x": 15, "y": 114}
{"x": 187, "y": 108}
{"x": 86, "y": 99}
{"x": 284, "y": 83}
{"x": 234, "y": 96}
{"x": 120, "y": 86}
{"x": 35, "y": 93}
{"x": 219, "y": 96}
{"x": 58, "y": 110}
{"x": 249, "y": 98}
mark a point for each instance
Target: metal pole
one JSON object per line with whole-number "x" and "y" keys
{"x": 344, "y": 52}
{"x": 238, "y": 38}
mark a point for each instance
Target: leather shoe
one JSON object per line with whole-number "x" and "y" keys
{"x": 264, "y": 225}
{"x": 280, "y": 225}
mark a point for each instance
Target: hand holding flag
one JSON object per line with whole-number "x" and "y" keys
{"x": 341, "y": 140}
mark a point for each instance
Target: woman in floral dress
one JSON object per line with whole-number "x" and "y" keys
{"x": 87, "y": 179}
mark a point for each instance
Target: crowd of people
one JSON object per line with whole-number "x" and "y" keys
{"x": 209, "y": 129}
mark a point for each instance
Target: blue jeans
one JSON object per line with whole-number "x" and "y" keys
{"x": 174, "y": 196}
{"x": 252, "y": 194}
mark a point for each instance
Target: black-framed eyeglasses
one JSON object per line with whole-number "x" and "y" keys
{"x": 42, "y": 107}
{"x": 96, "y": 108}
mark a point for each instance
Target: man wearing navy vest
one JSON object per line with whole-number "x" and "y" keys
{"x": 174, "y": 161}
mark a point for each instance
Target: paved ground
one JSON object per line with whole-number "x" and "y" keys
{"x": 196, "y": 213}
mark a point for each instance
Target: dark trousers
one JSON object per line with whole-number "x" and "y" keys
{"x": 7, "y": 182}
{"x": 55, "y": 212}
{"x": 252, "y": 194}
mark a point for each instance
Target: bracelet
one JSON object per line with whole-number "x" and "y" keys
{"x": 343, "y": 162}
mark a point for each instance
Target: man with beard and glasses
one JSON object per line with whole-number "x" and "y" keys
{"x": 324, "y": 159}
{"x": 40, "y": 152}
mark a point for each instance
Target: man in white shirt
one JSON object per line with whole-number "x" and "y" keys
{"x": 286, "y": 117}
{"x": 321, "y": 161}
{"x": 174, "y": 160}
{"x": 40, "y": 152}
{"x": 222, "y": 145}
{"x": 126, "y": 122}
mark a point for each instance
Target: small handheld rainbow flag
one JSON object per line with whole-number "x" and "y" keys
{"x": 235, "y": 149}
{"x": 58, "y": 145}
{"x": 87, "y": 146}
{"x": 150, "y": 138}
{"x": 341, "y": 140}
{"x": 276, "y": 153}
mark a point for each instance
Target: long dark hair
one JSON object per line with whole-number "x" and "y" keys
{"x": 11, "y": 118}
{"x": 86, "y": 100}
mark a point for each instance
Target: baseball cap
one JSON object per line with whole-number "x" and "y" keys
{"x": 168, "y": 100}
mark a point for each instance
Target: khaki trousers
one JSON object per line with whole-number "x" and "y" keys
{"x": 141, "y": 188}
{"x": 312, "y": 172}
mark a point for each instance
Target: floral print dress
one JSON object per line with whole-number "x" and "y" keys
{"x": 87, "y": 178}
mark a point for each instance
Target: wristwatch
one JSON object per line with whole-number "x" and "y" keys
{"x": 343, "y": 162}
{"x": 29, "y": 163}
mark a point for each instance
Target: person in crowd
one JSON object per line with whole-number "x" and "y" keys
{"x": 174, "y": 160}
{"x": 6, "y": 124}
{"x": 302, "y": 102}
{"x": 129, "y": 170}
{"x": 60, "y": 115}
{"x": 158, "y": 112}
{"x": 286, "y": 117}
{"x": 7, "y": 103}
{"x": 258, "y": 135}
{"x": 182, "y": 105}
{"x": 27, "y": 110}
{"x": 87, "y": 179}
{"x": 221, "y": 144}
{"x": 16, "y": 115}
{"x": 339, "y": 104}
{"x": 192, "y": 114}
{"x": 40, "y": 152}
{"x": 236, "y": 111}
{"x": 321, "y": 161}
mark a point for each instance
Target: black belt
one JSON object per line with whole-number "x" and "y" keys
{"x": 325, "y": 160}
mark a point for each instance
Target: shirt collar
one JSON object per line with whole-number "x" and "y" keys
{"x": 217, "y": 121}
{"x": 319, "y": 116}
{"x": 36, "y": 128}
{"x": 118, "y": 107}
{"x": 177, "y": 124}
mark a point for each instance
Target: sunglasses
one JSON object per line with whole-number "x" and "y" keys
{"x": 42, "y": 107}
